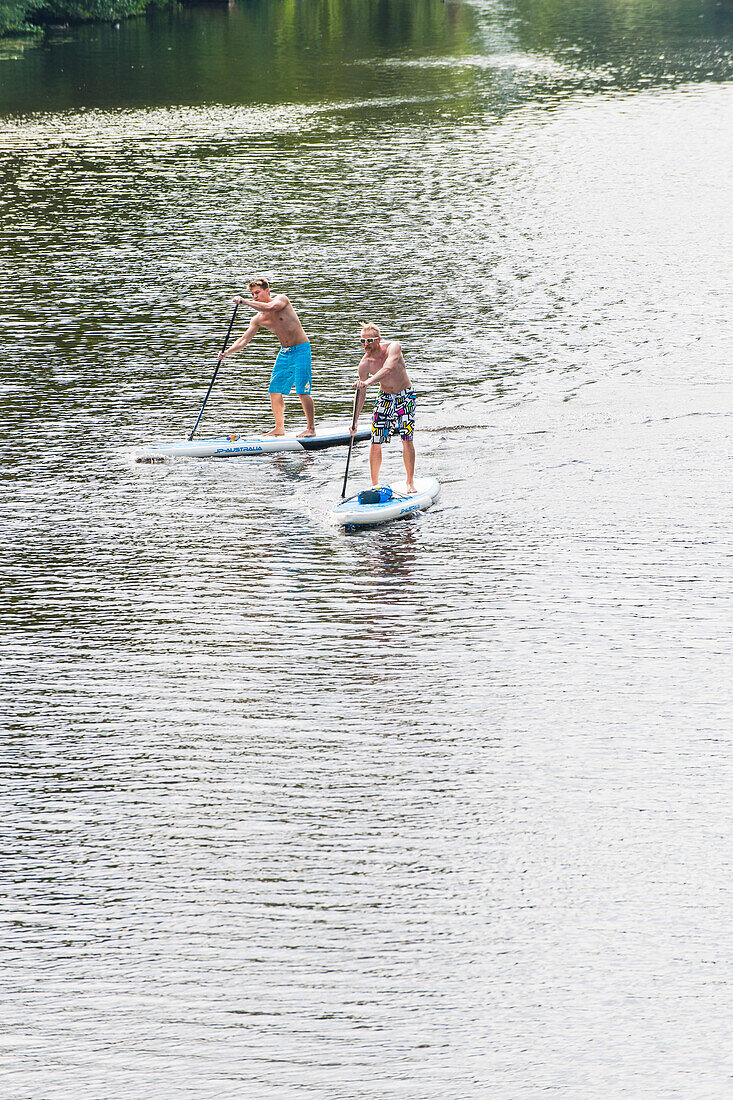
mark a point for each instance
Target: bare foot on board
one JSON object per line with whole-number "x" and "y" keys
{"x": 306, "y": 434}
{"x": 274, "y": 432}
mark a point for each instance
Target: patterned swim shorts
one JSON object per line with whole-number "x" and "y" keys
{"x": 393, "y": 412}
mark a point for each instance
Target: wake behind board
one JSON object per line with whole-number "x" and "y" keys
{"x": 238, "y": 446}
{"x": 350, "y": 513}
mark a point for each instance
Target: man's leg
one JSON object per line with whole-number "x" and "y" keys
{"x": 277, "y": 402}
{"x": 375, "y": 462}
{"x": 302, "y": 369}
{"x": 281, "y": 382}
{"x": 408, "y": 454}
{"x": 310, "y": 415}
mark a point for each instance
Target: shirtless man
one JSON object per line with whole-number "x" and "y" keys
{"x": 394, "y": 408}
{"x": 293, "y": 363}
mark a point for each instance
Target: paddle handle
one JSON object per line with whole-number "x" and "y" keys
{"x": 351, "y": 444}
{"x": 218, "y": 364}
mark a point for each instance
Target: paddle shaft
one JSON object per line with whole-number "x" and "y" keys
{"x": 351, "y": 444}
{"x": 211, "y": 383}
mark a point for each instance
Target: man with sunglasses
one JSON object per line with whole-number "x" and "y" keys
{"x": 293, "y": 364}
{"x": 394, "y": 408}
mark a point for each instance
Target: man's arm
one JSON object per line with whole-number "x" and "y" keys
{"x": 395, "y": 349}
{"x": 243, "y": 340}
{"x": 273, "y": 306}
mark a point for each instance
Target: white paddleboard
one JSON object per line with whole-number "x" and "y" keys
{"x": 238, "y": 446}
{"x": 350, "y": 513}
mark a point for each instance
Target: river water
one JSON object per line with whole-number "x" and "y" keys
{"x": 437, "y": 811}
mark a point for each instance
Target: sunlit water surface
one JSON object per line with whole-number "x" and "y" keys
{"x": 438, "y": 810}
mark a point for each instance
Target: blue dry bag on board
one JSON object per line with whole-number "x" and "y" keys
{"x": 375, "y": 496}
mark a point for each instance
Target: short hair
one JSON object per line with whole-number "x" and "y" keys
{"x": 371, "y": 326}
{"x": 259, "y": 280}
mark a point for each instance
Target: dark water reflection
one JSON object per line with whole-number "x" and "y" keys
{"x": 289, "y": 52}
{"x": 437, "y": 810}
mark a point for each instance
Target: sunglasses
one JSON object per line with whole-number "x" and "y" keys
{"x": 367, "y": 339}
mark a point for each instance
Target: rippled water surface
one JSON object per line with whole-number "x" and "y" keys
{"x": 436, "y": 811}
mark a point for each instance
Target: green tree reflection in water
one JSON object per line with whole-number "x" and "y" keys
{"x": 263, "y": 51}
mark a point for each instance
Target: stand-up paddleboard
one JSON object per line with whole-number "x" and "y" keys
{"x": 351, "y": 513}
{"x": 237, "y": 446}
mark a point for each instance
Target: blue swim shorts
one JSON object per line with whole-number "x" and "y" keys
{"x": 292, "y": 366}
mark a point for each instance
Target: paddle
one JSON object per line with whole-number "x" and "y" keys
{"x": 218, "y": 364}
{"x": 351, "y": 444}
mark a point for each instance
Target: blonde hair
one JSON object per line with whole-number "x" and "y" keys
{"x": 259, "y": 280}
{"x": 370, "y": 326}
